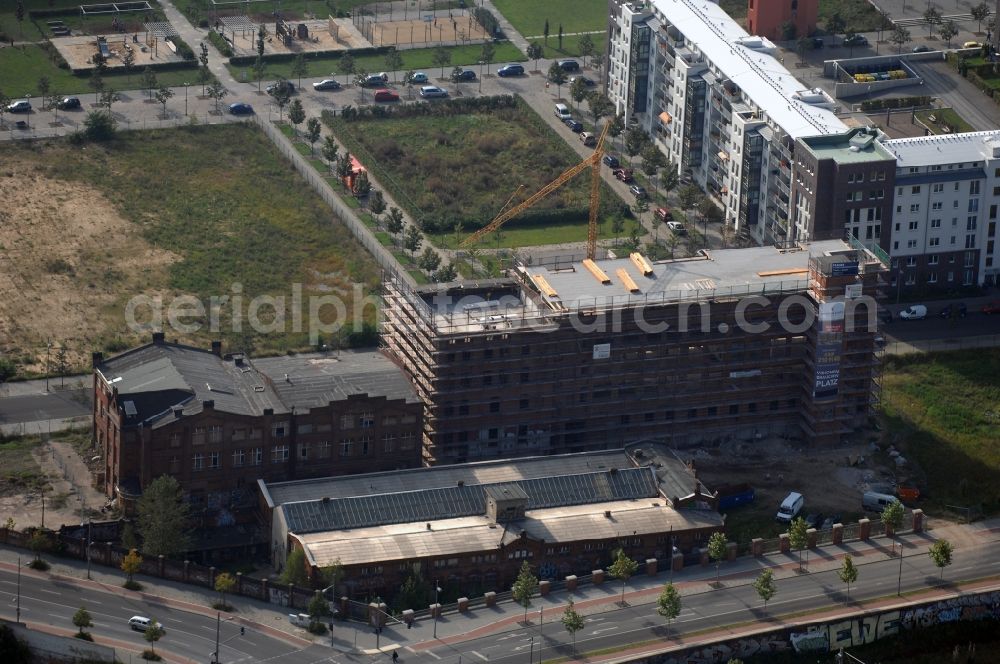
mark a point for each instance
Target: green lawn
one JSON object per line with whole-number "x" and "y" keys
{"x": 416, "y": 59}
{"x": 515, "y": 235}
{"x": 860, "y": 15}
{"x": 20, "y": 471}
{"x": 571, "y": 47}
{"x": 945, "y": 116}
{"x": 21, "y": 68}
{"x": 528, "y": 16}
{"x": 944, "y": 409}
{"x": 462, "y": 168}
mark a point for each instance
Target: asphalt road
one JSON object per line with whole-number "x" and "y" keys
{"x": 973, "y": 325}
{"x": 39, "y": 407}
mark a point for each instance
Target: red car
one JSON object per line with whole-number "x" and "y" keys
{"x": 664, "y": 214}
{"x": 623, "y": 174}
{"x": 386, "y": 95}
{"x": 991, "y": 307}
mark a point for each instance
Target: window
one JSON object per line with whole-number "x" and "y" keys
{"x": 304, "y": 428}
{"x": 367, "y": 420}
{"x": 255, "y": 434}
{"x": 935, "y": 223}
{"x": 198, "y": 436}
{"x": 278, "y": 429}
{"x": 304, "y": 451}
{"x": 911, "y": 244}
{"x": 967, "y": 279}
{"x": 213, "y": 460}
{"x": 932, "y": 277}
{"x": 951, "y": 276}
{"x": 915, "y": 207}
{"x": 911, "y": 261}
{"x": 175, "y": 440}
{"x": 323, "y": 450}
{"x": 258, "y": 456}
{"x": 932, "y": 260}
{"x": 406, "y": 441}
{"x": 970, "y": 223}
{"x": 239, "y": 434}
{"x": 388, "y": 442}
{"x": 366, "y": 444}
{"x": 970, "y": 241}
{"x": 913, "y": 225}
{"x": 915, "y": 190}
{"x": 199, "y": 461}
{"x": 937, "y": 189}
{"x": 239, "y": 458}
{"x": 346, "y": 448}
{"x": 175, "y": 465}
{"x": 936, "y": 205}
{"x": 934, "y": 242}
{"x": 279, "y": 453}
{"x": 215, "y": 434}
{"x": 974, "y": 187}
{"x": 346, "y": 422}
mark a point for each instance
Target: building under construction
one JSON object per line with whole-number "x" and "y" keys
{"x": 583, "y": 355}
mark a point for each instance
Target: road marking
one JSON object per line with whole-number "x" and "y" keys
{"x": 482, "y": 657}
{"x": 605, "y": 629}
{"x": 431, "y": 653}
{"x": 51, "y": 592}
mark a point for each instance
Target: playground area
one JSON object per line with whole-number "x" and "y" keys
{"x": 331, "y": 34}
{"x": 148, "y": 47}
{"x": 458, "y": 27}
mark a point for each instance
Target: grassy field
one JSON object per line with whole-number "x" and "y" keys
{"x": 528, "y": 16}
{"x": 462, "y": 169}
{"x": 516, "y": 235}
{"x": 944, "y": 411}
{"x": 945, "y": 116}
{"x": 416, "y": 59}
{"x": 226, "y": 209}
{"x": 21, "y": 68}
{"x": 20, "y": 471}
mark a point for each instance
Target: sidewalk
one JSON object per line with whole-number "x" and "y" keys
{"x": 38, "y": 386}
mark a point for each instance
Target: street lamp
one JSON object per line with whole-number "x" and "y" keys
{"x": 87, "y": 544}
{"x": 18, "y": 619}
{"x": 186, "y": 84}
{"x": 899, "y": 579}
{"x": 531, "y": 651}
{"x": 437, "y": 607}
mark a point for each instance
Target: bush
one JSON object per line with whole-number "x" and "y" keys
{"x": 250, "y": 60}
{"x": 83, "y": 636}
{"x": 150, "y": 656}
{"x": 39, "y": 564}
{"x": 182, "y": 48}
{"x": 220, "y": 44}
{"x": 132, "y": 585}
{"x": 486, "y": 19}
{"x": 317, "y": 627}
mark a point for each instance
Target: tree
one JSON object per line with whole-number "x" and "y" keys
{"x": 330, "y": 149}
{"x": 44, "y": 88}
{"x": 99, "y": 126}
{"x": 38, "y": 543}
{"x": 600, "y": 106}
{"x": 153, "y": 634}
{"x": 617, "y": 126}
{"x": 672, "y": 242}
{"x": 668, "y": 604}
{"x": 282, "y": 96}
{"x": 535, "y": 52}
{"x": 441, "y": 58}
{"x": 163, "y": 518}
{"x": 429, "y": 260}
{"x": 224, "y": 583}
{"x": 296, "y": 114}
{"x": 204, "y": 75}
{"x": 128, "y": 61}
{"x": 788, "y": 31}
{"x": 586, "y": 46}
{"x": 933, "y": 17}
{"x": 362, "y": 185}
{"x": 835, "y": 24}
{"x": 131, "y": 564}
{"x": 622, "y": 569}
{"x": 940, "y": 552}
{"x": 764, "y": 585}
{"x": 299, "y": 68}
{"x": 81, "y": 620}
{"x": 344, "y": 167}
{"x": 709, "y": 210}
{"x": 318, "y": 606}
{"x": 803, "y": 46}
{"x": 617, "y": 226}
{"x": 652, "y": 161}
{"x": 892, "y": 517}
{"x": 163, "y": 95}
{"x": 640, "y": 207}
{"x": 376, "y": 203}
{"x": 456, "y": 75}
{"x": 261, "y": 36}
{"x": 524, "y": 587}
{"x": 313, "y": 130}
{"x": 108, "y": 97}
{"x": 572, "y": 621}
{"x": 947, "y": 31}
{"x": 129, "y": 539}
{"x": 848, "y": 573}
{"x": 578, "y": 91}
{"x": 394, "y": 221}
{"x": 717, "y": 551}
{"x": 393, "y": 61}
{"x": 412, "y": 240}
{"x": 96, "y": 82}
{"x": 900, "y": 37}
{"x": 486, "y": 56}
{"x": 688, "y": 196}
{"x": 414, "y": 592}
{"x": 545, "y": 32}
{"x": 446, "y": 274}
{"x": 149, "y": 82}
{"x": 347, "y": 65}
{"x": 19, "y": 15}
{"x": 259, "y": 70}
{"x": 560, "y": 36}
{"x": 980, "y": 13}
{"x": 798, "y": 538}
{"x": 557, "y": 77}
{"x": 217, "y": 92}
{"x": 635, "y": 140}
{"x": 62, "y": 364}
{"x": 294, "y": 572}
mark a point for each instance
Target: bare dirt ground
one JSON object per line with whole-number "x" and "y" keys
{"x": 320, "y": 38}
{"x": 79, "y": 51}
{"x": 68, "y": 261}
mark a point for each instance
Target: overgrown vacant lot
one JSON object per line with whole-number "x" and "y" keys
{"x": 459, "y": 162}
{"x": 159, "y": 213}
{"x": 944, "y": 408}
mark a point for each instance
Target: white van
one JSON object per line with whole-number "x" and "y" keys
{"x": 139, "y": 623}
{"x": 790, "y": 507}
{"x": 562, "y": 112}
{"x": 874, "y": 501}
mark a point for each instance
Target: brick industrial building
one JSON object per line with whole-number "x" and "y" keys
{"x": 218, "y": 424}
{"x": 771, "y": 18}
{"x": 468, "y": 527}
{"x": 579, "y": 356}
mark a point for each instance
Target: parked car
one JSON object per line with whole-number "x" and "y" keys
{"x": 676, "y": 227}
{"x": 623, "y": 174}
{"x": 589, "y": 82}
{"x": 327, "y": 84}
{"x": 20, "y": 106}
{"x": 829, "y": 521}
{"x": 950, "y": 310}
{"x": 914, "y": 312}
{"x": 815, "y": 520}
{"x": 790, "y": 507}
{"x": 817, "y": 43}
{"x": 611, "y": 161}
{"x": 569, "y": 65}
{"x": 142, "y": 623}
{"x": 466, "y": 75}
{"x": 240, "y": 108}
{"x": 432, "y": 91}
{"x": 281, "y": 86}
{"x": 855, "y": 40}
{"x": 573, "y": 124}
{"x": 385, "y": 94}
{"x": 419, "y": 77}
{"x": 991, "y": 307}
{"x": 664, "y": 214}
{"x": 511, "y": 70}
{"x": 923, "y": 48}
{"x": 638, "y": 191}
{"x": 375, "y": 80}
{"x": 588, "y": 139}
{"x": 69, "y": 103}
{"x": 972, "y": 44}
{"x": 21, "y": 124}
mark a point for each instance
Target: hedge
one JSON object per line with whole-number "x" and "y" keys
{"x": 486, "y": 19}
{"x": 250, "y": 60}
{"x": 182, "y": 48}
{"x": 220, "y": 44}
{"x": 162, "y": 66}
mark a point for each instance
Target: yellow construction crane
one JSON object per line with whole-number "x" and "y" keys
{"x": 593, "y": 162}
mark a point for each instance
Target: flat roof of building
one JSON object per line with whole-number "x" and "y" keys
{"x": 716, "y": 273}
{"x": 944, "y": 149}
{"x": 761, "y": 77}
{"x": 859, "y": 145}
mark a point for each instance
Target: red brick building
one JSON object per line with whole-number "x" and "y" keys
{"x": 767, "y": 18}
{"x": 219, "y": 423}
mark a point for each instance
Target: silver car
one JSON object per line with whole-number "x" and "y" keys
{"x": 430, "y": 91}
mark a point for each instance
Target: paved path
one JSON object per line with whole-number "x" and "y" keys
{"x": 509, "y": 31}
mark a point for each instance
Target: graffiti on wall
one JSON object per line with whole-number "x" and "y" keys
{"x": 968, "y": 607}
{"x": 723, "y": 652}
{"x": 847, "y": 633}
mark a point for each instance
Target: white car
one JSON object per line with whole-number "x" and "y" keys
{"x": 429, "y": 91}
{"x": 676, "y": 227}
{"x": 914, "y": 312}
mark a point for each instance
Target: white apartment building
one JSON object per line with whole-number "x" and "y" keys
{"x": 718, "y": 103}
{"x": 947, "y": 196}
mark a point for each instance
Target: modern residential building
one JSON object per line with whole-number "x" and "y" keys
{"x": 469, "y": 527}
{"x": 783, "y": 20}
{"x": 944, "y": 225}
{"x": 719, "y": 104}
{"x": 218, "y": 423}
{"x": 582, "y": 355}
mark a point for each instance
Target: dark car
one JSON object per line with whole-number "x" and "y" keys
{"x": 589, "y": 82}
{"x": 573, "y": 124}
{"x": 923, "y": 48}
{"x": 240, "y": 108}
{"x": 327, "y": 84}
{"x": 815, "y": 520}
{"x": 951, "y": 310}
{"x": 855, "y": 40}
{"x": 991, "y": 307}
{"x": 623, "y": 174}
{"x": 611, "y": 161}
{"x": 829, "y": 521}
{"x": 21, "y": 124}
{"x": 817, "y": 43}
{"x": 568, "y": 65}
{"x": 466, "y": 75}
{"x": 638, "y": 191}
{"x": 20, "y": 106}
{"x": 511, "y": 70}
{"x": 68, "y": 103}
{"x": 281, "y": 87}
